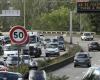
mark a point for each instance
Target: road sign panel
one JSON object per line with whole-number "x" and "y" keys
{"x": 18, "y": 35}
{"x": 86, "y": 7}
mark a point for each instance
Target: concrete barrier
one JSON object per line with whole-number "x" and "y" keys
{"x": 58, "y": 65}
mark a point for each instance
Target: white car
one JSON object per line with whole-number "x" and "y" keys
{"x": 13, "y": 61}
{"x": 9, "y": 50}
{"x": 87, "y": 36}
{"x": 52, "y": 49}
{"x": 93, "y": 73}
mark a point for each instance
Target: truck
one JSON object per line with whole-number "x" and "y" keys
{"x": 33, "y": 47}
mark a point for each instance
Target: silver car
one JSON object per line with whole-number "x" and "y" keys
{"x": 82, "y": 58}
{"x": 93, "y": 73}
{"x": 52, "y": 49}
{"x": 13, "y": 61}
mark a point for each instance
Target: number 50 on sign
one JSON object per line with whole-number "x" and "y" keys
{"x": 18, "y": 35}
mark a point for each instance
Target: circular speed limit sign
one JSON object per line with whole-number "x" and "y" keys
{"x": 18, "y": 35}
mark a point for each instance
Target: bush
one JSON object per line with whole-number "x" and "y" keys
{"x": 52, "y": 77}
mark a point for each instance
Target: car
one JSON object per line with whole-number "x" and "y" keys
{"x": 6, "y": 75}
{"x": 9, "y": 50}
{"x": 93, "y": 73}
{"x": 25, "y": 59}
{"x": 13, "y": 61}
{"x": 94, "y": 46}
{"x": 3, "y": 63}
{"x": 46, "y": 41}
{"x": 37, "y": 75}
{"x": 61, "y": 46}
{"x": 52, "y": 49}
{"x": 82, "y": 58}
{"x": 87, "y": 36}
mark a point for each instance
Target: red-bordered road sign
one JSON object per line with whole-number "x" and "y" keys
{"x": 18, "y": 35}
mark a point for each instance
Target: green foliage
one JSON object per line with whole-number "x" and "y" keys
{"x": 95, "y": 22}
{"x": 56, "y": 20}
{"x": 52, "y": 77}
{"x": 21, "y": 69}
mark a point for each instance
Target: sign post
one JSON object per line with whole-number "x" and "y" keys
{"x": 18, "y": 36}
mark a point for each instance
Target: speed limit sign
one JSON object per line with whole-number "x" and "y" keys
{"x": 18, "y": 35}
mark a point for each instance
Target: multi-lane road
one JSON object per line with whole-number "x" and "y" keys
{"x": 78, "y": 72}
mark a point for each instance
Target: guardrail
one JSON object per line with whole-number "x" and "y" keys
{"x": 53, "y": 32}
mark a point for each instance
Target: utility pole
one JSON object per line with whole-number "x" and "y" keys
{"x": 70, "y": 27}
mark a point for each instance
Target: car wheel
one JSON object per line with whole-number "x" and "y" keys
{"x": 75, "y": 65}
{"x": 81, "y": 39}
{"x": 89, "y": 50}
{"x": 89, "y": 65}
{"x": 47, "y": 55}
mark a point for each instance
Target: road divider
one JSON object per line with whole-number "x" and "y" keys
{"x": 62, "y": 60}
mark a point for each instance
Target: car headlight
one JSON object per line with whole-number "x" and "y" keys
{"x": 57, "y": 50}
{"x": 75, "y": 60}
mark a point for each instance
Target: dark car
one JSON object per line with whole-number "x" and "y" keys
{"x": 4, "y": 75}
{"x": 94, "y": 46}
{"x": 61, "y": 46}
{"x": 82, "y": 58}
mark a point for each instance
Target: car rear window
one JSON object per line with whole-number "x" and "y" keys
{"x": 82, "y": 56}
{"x": 9, "y": 76}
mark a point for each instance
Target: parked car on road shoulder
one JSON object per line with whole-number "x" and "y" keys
{"x": 82, "y": 58}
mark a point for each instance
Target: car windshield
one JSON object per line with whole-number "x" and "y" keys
{"x": 32, "y": 39}
{"x": 47, "y": 40}
{"x": 94, "y": 43}
{"x": 52, "y": 46}
{"x": 39, "y": 76}
{"x": 55, "y": 40}
{"x": 87, "y": 34}
{"x": 61, "y": 43}
{"x": 10, "y": 48}
{"x": 82, "y": 56}
{"x": 9, "y": 76}
{"x": 26, "y": 57}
